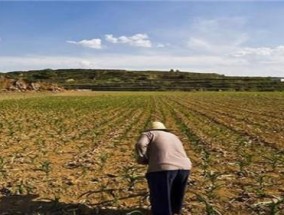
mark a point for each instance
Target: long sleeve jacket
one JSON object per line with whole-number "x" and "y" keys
{"x": 161, "y": 150}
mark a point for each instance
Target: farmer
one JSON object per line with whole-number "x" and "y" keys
{"x": 168, "y": 168}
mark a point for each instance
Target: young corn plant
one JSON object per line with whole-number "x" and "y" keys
{"x": 274, "y": 160}
{"x": 244, "y": 162}
{"x": 206, "y": 159}
{"x": 3, "y": 172}
{"x": 209, "y": 208}
{"x": 260, "y": 186}
{"x": 102, "y": 159}
{"x": 2, "y": 164}
{"x": 20, "y": 189}
{"x": 131, "y": 177}
{"x": 23, "y": 187}
{"x": 212, "y": 177}
{"x": 273, "y": 207}
{"x": 45, "y": 167}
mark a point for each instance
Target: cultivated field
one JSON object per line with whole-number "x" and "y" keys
{"x": 72, "y": 153}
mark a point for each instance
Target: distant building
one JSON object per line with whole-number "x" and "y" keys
{"x": 282, "y": 79}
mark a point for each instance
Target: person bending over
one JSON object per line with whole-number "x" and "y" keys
{"x": 168, "y": 168}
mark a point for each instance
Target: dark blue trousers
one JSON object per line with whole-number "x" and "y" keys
{"x": 167, "y": 190}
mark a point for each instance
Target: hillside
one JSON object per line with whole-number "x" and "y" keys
{"x": 146, "y": 80}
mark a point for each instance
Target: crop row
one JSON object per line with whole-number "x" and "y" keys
{"x": 79, "y": 148}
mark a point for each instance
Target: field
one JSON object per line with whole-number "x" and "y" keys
{"x": 73, "y": 152}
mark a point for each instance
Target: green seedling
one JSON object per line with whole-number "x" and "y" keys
{"x": 45, "y": 167}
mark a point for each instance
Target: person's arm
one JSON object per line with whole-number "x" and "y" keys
{"x": 141, "y": 148}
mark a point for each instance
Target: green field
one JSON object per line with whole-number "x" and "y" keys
{"x": 73, "y": 152}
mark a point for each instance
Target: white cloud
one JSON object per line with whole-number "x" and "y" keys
{"x": 110, "y": 38}
{"x": 161, "y": 45}
{"x": 261, "y": 51}
{"x": 93, "y": 43}
{"x": 198, "y": 43}
{"x": 11, "y": 63}
{"x": 87, "y": 64}
{"x": 138, "y": 40}
{"x": 217, "y": 36}
{"x": 223, "y": 45}
{"x": 225, "y": 29}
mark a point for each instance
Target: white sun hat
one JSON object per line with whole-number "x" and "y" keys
{"x": 158, "y": 126}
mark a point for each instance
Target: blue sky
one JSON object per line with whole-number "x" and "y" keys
{"x": 243, "y": 38}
